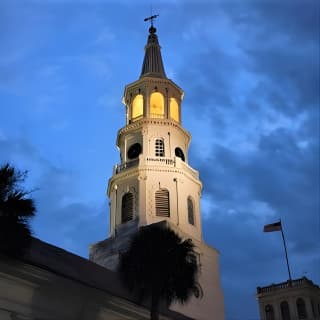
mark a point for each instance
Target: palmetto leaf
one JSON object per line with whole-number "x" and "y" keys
{"x": 15, "y": 212}
{"x": 160, "y": 265}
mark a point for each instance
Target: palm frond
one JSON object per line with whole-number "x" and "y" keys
{"x": 158, "y": 259}
{"x": 16, "y": 210}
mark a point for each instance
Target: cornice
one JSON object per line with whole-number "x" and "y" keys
{"x": 140, "y": 124}
{"x": 137, "y": 171}
{"x": 147, "y": 81}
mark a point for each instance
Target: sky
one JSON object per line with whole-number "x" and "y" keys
{"x": 250, "y": 72}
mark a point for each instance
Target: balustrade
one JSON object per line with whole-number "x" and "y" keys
{"x": 173, "y": 162}
{"x": 288, "y": 284}
{"x": 122, "y": 166}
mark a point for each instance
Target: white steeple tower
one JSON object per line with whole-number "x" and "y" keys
{"x": 154, "y": 182}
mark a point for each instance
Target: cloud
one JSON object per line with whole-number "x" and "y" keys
{"x": 260, "y": 158}
{"x": 61, "y": 209}
{"x": 279, "y": 180}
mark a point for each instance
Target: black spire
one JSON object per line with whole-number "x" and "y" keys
{"x": 152, "y": 63}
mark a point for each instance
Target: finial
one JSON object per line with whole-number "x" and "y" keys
{"x": 152, "y": 29}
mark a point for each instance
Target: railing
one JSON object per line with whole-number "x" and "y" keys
{"x": 288, "y": 284}
{"x": 156, "y": 116}
{"x": 122, "y": 166}
{"x": 175, "y": 162}
{"x": 185, "y": 166}
{"x": 135, "y": 119}
{"x": 161, "y": 160}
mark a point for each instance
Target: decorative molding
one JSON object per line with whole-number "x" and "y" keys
{"x": 139, "y": 124}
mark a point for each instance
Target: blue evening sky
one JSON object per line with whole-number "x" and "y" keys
{"x": 250, "y": 72}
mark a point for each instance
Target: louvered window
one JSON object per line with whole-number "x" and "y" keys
{"x": 162, "y": 203}
{"x": 159, "y": 148}
{"x": 190, "y": 211}
{"x": 127, "y": 207}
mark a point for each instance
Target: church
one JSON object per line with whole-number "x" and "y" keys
{"x": 152, "y": 184}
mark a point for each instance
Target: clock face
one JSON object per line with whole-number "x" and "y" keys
{"x": 134, "y": 151}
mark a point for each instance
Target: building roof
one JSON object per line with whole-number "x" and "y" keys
{"x": 76, "y": 268}
{"x": 152, "y": 63}
{"x": 297, "y": 283}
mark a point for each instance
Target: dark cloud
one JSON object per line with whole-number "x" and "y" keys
{"x": 282, "y": 45}
{"x": 276, "y": 43}
{"x": 300, "y": 20}
{"x": 280, "y": 175}
{"x": 259, "y": 90}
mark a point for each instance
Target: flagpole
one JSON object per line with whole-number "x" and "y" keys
{"x": 285, "y": 250}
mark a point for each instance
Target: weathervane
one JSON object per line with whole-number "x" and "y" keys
{"x": 151, "y": 18}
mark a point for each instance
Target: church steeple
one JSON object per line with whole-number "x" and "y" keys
{"x": 152, "y": 63}
{"x": 153, "y": 95}
{"x": 153, "y": 182}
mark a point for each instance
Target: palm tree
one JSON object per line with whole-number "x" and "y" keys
{"x": 161, "y": 266}
{"x": 16, "y": 210}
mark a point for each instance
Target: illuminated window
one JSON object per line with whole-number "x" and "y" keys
{"x": 301, "y": 308}
{"x": 159, "y": 148}
{"x": 174, "y": 109}
{"x": 269, "y": 312}
{"x": 190, "y": 211}
{"x": 285, "y": 312}
{"x": 162, "y": 203}
{"x": 156, "y": 105}
{"x": 137, "y": 107}
{"x": 127, "y": 207}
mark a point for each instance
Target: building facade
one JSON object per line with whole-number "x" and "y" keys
{"x": 290, "y": 300}
{"x": 49, "y": 283}
{"x": 154, "y": 182}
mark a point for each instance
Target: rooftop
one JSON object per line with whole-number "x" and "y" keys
{"x": 298, "y": 283}
{"x": 76, "y": 268}
{"x": 152, "y": 63}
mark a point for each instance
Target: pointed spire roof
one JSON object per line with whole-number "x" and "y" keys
{"x": 152, "y": 63}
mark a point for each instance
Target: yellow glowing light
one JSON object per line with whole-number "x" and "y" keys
{"x": 137, "y": 106}
{"x": 156, "y": 105}
{"x": 174, "y": 109}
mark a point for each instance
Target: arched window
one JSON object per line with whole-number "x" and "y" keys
{"x": 159, "y": 148}
{"x": 313, "y": 307}
{"x": 174, "y": 109}
{"x": 137, "y": 107}
{"x": 156, "y": 105}
{"x": 179, "y": 153}
{"x": 162, "y": 203}
{"x": 134, "y": 151}
{"x": 269, "y": 312}
{"x": 190, "y": 211}
{"x": 127, "y": 207}
{"x": 301, "y": 308}
{"x": 285, "y": 312}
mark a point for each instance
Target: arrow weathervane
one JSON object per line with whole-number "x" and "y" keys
{"x": 151, "y": 18}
